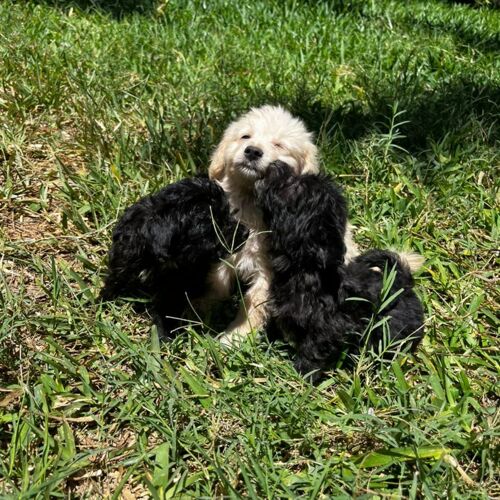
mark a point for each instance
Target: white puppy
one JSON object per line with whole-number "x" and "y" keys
{"x": 248, "y": 147}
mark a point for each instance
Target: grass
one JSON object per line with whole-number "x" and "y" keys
{"x": 100, "y": 105}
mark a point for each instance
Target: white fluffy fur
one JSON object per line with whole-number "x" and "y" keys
{"x": 279, "y": 136}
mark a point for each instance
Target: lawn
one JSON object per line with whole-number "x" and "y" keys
{"x": 101, "y": 104}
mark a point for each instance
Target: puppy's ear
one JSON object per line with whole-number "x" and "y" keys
{"x": 310, "y": 163}
{"x": 217, "y": 166}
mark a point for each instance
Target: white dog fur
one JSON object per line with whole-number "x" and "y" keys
{"x": 249, "y": 145}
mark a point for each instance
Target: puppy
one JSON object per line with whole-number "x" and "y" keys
{"x": 249, "y": 148}
{"x": 165, "y": 244}
{"x": 377, "y": 308}
{"x": 312, "y": 292}
{"x": 383, "y": 280}
{"x": 307, "y": 219}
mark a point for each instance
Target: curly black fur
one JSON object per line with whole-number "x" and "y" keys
{"x": 307, "y": 217}
{"x": 163, "y": 247}
{"x": 310, "y": 286}
{"x": 367, "y": 277}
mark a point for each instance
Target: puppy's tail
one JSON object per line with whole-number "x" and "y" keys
{"x": 412, "y": 259}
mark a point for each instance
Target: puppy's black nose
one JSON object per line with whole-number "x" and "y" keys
{"x": 253, "y": 153}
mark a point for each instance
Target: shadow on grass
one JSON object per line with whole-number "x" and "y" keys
{"x": 454, "y": 111}
{"x": 431, "y": 114}
{"x": 475, "y": 3}
{"x": 116, "y": 8}
{"x": 463, "y": 32}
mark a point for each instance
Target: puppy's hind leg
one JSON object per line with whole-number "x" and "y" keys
{"x": 252, "y": 315}
{"x": 220, "y": 282}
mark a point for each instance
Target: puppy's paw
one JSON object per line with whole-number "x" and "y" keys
{"x": 309, "y": 370}
{"x": 278, "y": 170}
{"x": 234, "y": 336}
{"x": 231, "y": 339}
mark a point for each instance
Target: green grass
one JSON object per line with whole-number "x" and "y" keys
{"x": 99, "y": 106}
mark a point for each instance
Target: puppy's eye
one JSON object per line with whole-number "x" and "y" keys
{"x": 246, "y": 136}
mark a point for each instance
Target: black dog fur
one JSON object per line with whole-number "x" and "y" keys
{"x": 164, "y": 245}
{"x": 307, "y": 216}
{"x": 363, "y": 278}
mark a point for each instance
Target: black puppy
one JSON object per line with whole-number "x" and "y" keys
{"x": 164, "y": 245}
{"x": 307, "y": 217}
{"x": 378, "y": 285}
{"x": 310, "y": 285}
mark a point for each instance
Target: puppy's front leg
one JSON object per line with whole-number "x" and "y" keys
{"x": 252, "y": 314}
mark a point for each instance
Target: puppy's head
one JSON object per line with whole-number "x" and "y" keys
{"x": 259, "y": 138}
{"x": 364, "y": 276}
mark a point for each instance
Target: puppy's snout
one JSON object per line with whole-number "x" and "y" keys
{"x": 252, "y": 153}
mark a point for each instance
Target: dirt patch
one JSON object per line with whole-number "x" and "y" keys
{"x": 23, "y": 228}
{"x": 30, "y": 179}
{"x": 103, "y": 477}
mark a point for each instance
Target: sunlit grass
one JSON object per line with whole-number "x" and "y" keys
{"x": 101, "y": 105}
